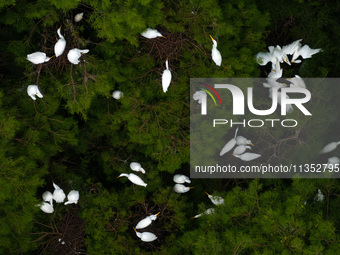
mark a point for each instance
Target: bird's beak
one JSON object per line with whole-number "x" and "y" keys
{"x": 285, "y": 85}
{"x": 135, "y": 230}
{"x": 211, "y": 38}
{"x": 292, "y": 61}
{"x": 193, "y": 217}
{"x": 232, "y": 155}
{"x": 252, "y": 144}
{"x": 207, "y": 193}
{"x": 191, "y": 187}
{"x": 60, "y": 26}
{"x": 52, "y": 57}
{"x": 163, "y": 36}
{"x": 118, "y": 177}
{"x": 158, "y": 213}
{"x": 274, "y": 71}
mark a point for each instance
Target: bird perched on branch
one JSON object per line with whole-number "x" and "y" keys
{"x": 166, "y": 77}
{"x": 134, "y": 179}
{"x": 151, "y": 33}
{"x": 60, "y": 46}
{"x": 38, "y": 57}
{"x": 74, "y": 55}
{"x": 215, "y": 53}
{"x": 33, "y": 90}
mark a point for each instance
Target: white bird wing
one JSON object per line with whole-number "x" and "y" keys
{"x": 329, "y": 147}
{"x": 137, "y": 180}
{"x": 239, "y": 149}
{"x": 59, "y": 47}
{"x": 228, "y": 146}
{"x": 249, "y": 156}
{"x": 148, "y": 237}
{"x": 143, "y": 223}
{"x": 216, "y": 56}
{"x": 166, "y": 80}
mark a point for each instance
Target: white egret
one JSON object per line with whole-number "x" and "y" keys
{"x": 216, "y": 200}
{"x": 333, "y": 162}
{"x": 166, "y": 77}
{"x": 279, "y": 54}
{"x": 72, "y": 197}
{"x": 241, "y": 140}
{"x": 329, "y": 147}
{"x": 146, "y": 236}
{"x": 248, "y": 156}
{"x": 78, "y": 17}
{"x": 229, "y": 145}
{"x": 47, "y": 207}
{"x": 215, "y": 53}
{"x": 137, "y": 167}
{"x": 47, "y": 196}
{"x": 297, "y": 82}
{"x": 146, "y": 221}
{"x": 240, "y": 149}
{"x": 207, "y": 212}
{"x": 60, "y": 46}
{"x": 319, "y": 197}
{"x": 74, "y": 55}
{"x": 117, "y": 94}
{"x": 33, "y": 90}
{"x": 292, "y": 47}
{"x": 305, "y": 52}
{"x": 38, "y": 57}
{"x": 262, "y": 58}
{"x": 134, "y": 179}
{"x": 179, "y": 188}
{"x": 181, "y": 178}
{"x": 58, "y": 194}
{"x": 151, "y": 33}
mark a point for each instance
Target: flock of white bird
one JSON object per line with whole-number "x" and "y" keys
{"x": 58, "y": 196}
{"x": 332, "y": 161}
{"x": 179, "y": 179}
{"x": 278, "y": 55}
{"x": 40, "y": 57}
{"x": 242, "y": 144}
{"x": 166, "y": 76}
{"x": 133, "y": 177}
{"x": 216, "y": 200}
{"x": 146, "y": 236}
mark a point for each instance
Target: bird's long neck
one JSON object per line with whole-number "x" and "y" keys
{"x": 60, "y": 35}
{"x": 166, "y": 64}
{"x": 126, "y": 175}
{"x": 236, "y": 133}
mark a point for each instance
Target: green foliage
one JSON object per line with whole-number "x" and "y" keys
{"x": 79, "y": 136}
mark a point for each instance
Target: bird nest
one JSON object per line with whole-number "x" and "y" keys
{"x": 168, "y": 46}
{"x": 65, "y": 236}
{"x": 157, "y": 226}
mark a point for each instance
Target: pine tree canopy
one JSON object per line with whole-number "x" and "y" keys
{"x": 81, "y": 138}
